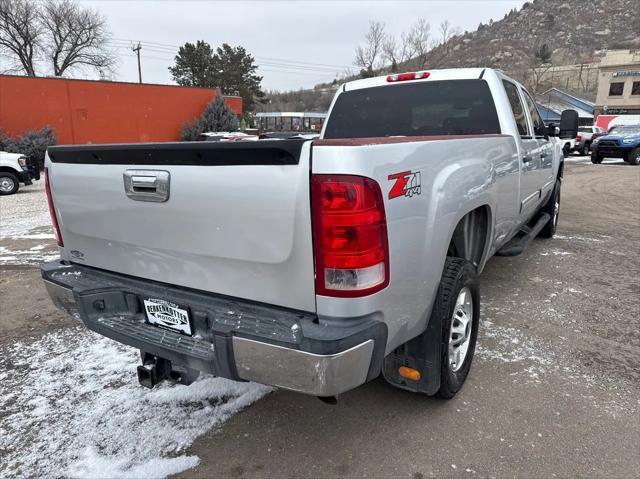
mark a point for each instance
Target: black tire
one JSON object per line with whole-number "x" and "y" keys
{"x": 633, "y": 157}
{"x": 9, "y": 183}
{"x": 566, "y": 149}
{"x": 457, "y": 274}
{"x": 595, "y": 158}
{"x": 584, "y": 150}
{"x": 550, "y": 208}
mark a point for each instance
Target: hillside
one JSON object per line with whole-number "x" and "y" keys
{"x": 574, "y": 31}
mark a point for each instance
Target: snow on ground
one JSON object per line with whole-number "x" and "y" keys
{"x": 25, "y": 228}
{"x": 34, "y": 255}
{"x": 25, "y": 211}
{"x": 71, "y": 406}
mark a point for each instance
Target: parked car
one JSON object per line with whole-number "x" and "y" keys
{"x": 226, "y": 136}
{"x": 621, "y": 142}
{"x": 585, "y": 136}
{"x": 312, "y": 265}
{"x": 15, "y": 168}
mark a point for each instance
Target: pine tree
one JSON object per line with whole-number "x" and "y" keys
{"x": 217, "y": 116}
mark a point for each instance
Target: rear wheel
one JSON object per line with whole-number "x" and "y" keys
{"x": 566, "y": 149}
{"x": 9, "y": 183}
{"x": 552, "y": 208}
{"x": 634, "y": 156}
{"x": 458, "y": 303}
{"x": 584, "y": 150}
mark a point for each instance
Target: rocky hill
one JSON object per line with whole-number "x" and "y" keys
{"x": 574, "y": 32}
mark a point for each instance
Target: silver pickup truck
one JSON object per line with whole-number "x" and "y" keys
{"x": 316, "y": 265}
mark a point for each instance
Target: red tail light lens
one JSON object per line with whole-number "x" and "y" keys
{"x": 349, "y": 236}
{"x": 408, "y": 76}
{"x": 578, "y": 139}
{"x": 52, "y": 210}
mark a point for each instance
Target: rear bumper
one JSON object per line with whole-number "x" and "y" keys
{"x": 232, "y": 338}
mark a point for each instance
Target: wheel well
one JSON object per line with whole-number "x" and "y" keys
{"x": 561, "y": 170}
{"x": 8, "y": 169}
{"x": 470, "y": 236}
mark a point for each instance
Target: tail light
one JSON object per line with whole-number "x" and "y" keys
{"x": 52, "y": 209}
{"x": 349, "y": 236}
{"x": 578, "y": 138}
{"x": 408, "y": 76}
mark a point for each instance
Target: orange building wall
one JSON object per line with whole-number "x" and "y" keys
{"x": 84, "y": 111}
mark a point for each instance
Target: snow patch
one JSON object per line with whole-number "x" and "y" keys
{"x": 71, "y": 406}
{"x": 24, "y": 212}
{"x": 24, "y": 257}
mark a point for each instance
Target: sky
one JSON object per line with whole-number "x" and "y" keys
{"x": 296, "y": 44}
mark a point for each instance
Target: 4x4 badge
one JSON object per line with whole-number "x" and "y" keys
{"x": 407, "y": 183}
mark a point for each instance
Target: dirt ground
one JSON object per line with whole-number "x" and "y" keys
{"x": 554, "y": 389}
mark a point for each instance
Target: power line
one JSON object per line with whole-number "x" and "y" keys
{"x": 172, "y": 49}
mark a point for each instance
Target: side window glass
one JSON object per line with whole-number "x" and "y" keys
{"x": 538, "y": 124}
{"x": 516, "y": 107}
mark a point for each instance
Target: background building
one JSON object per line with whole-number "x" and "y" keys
{"x": 554, "y": 101}
{"x": 290, "y": 121}
{"x": 85, "y": 111}
{"x": 619, "y": 83}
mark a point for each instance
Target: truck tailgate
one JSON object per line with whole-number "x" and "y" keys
{"x": 236, "y": 220}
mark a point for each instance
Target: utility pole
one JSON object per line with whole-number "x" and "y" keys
{"x": 137, "y": 49}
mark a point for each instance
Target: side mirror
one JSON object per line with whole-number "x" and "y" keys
{"x": 569, "y": 124}
{"x": 552, "y": 129}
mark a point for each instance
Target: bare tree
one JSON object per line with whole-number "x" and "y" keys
{"x": 20, "y": 34}
{"x": 397, "y": 51}
{"x": 420, "y": 41}
{"x": 367, "y": 56}
{"x": 539, "y": 66}
{"x": 75, "y": 37}
{"x": 447, "y": 32}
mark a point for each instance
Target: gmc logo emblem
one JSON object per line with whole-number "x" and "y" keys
{"x": 407, "y": 183}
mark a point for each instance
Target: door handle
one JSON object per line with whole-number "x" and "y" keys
{"x": 527, "y": 158}
{"x": 143, "y": 183}
{"x": 147, "y": 185}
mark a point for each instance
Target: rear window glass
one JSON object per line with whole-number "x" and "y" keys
{"x": 451, "y": 107}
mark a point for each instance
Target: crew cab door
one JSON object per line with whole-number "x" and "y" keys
{"x": 545, "y": 147}
{"x": 530, "y": 161}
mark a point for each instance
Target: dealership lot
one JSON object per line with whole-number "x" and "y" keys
{"x": 553, "y": 389}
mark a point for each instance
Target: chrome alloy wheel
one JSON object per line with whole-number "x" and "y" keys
{"x": 460, "y": 334}
{"x": 6, "y": 184}
{"x": 556, "y": 210}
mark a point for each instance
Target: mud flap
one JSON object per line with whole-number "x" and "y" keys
{"x": 423, "y": 353}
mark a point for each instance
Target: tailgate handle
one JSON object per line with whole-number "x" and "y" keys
{"x": 147, "y": 185}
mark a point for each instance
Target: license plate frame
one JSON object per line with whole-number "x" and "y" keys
{"x": 168, "y": 315}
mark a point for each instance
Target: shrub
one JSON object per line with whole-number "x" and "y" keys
{"x": 217, "y": 116}
{"x": 32, "y": 143}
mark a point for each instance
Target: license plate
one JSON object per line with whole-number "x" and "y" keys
{"x": 167, "y": 315}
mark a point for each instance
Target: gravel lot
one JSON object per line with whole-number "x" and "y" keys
{"x": 554, "y": 390}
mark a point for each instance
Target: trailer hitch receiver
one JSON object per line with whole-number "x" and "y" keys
{"x": 155, "y": 370}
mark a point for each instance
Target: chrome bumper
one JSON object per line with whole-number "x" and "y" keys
{"x": 301, "y": 371}
{"x": 288, "y": 368}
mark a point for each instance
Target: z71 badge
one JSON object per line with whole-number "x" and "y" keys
{"x": 406, "y": 184}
